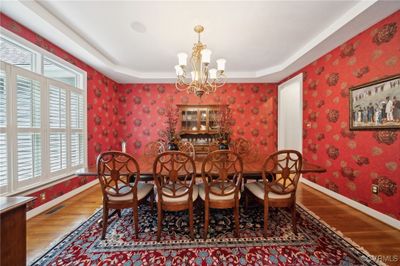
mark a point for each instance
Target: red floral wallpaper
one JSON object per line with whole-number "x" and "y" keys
{"x": 354, "y": 159}
{"x": 253, "y": 111}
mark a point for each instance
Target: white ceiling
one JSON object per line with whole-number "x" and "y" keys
{"x": 263, "y": 41}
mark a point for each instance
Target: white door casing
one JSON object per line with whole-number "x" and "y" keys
{"x": 290, "y": 114}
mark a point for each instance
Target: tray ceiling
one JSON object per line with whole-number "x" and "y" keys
{"x": 137, "y": 41}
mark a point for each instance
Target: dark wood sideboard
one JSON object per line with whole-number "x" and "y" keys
{"x": 13, "y": 230}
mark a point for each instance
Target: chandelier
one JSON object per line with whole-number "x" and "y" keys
{"x": 202, "y": 79}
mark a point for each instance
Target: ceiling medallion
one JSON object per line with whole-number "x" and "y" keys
{"x": 203, "y": 79}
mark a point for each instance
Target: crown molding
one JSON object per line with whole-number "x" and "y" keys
{"x": 360, "y": 17}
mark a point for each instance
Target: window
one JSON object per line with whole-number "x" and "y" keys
{"x": 3, "y": 134}
{"x": 42, "y": 117}
{"x": 16, "y": 54}
{"x": 58, "y": 72}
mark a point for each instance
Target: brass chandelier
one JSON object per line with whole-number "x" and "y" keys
{"x": 203, "y": 79}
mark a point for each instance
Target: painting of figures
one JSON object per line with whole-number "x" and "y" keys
{"x": 376, "y": 105}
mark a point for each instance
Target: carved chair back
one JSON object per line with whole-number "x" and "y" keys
{"x": 188, "y": 148}
{"x": 283, "y": 168}
{"x": 222, "y": 173}
{"x": 174, "y": 174}
{"x": 154, "y": 148}
{"x": 118, "y": 174}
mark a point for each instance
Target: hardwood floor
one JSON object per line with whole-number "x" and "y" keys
{"x": 376, "y": 237}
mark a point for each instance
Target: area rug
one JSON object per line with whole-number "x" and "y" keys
{"x": 315, "y": 244}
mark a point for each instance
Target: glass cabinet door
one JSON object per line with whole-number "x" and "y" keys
{"x": 203, "y": 119}
{"x": 189, "y": 119}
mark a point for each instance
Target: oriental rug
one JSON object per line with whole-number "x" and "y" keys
{"x": 315, "y": 244}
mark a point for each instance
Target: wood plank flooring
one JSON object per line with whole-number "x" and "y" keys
{"x": 376, "y": 237}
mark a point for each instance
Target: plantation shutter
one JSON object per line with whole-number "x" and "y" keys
{"x": 29, "y": 159}
{"x": 77, "y": 134}
{"x": 3, "y": 135}
{"x": 58, "y": 128}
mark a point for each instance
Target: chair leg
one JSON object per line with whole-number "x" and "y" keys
{"x": 159, "y": 221}
{"x": 236, "y": 214}
{"x": 136, "y": 218}
{"x": 119, "y": 213}
{"x": 266, "y": 219}
{"x": 105, "y": 221}
{"x": 206, "y": 218}
{"x": 294, "y": 219}
{"x": 152, "y": 201}
{"x": 191, "y": 220}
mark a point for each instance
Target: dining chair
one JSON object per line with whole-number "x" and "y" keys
{"x": 221, "y": 172}
{"x": 245, "y": 149}
{"x": 153, "y": 148}
{"x": 174, "y": 174}
{"x": 249, "y": 154}
{"x": 119, "y": 177}
{"x": 283, "y": 168}
{"x": 188, "y": 148}
{"x": 150, "y": 152}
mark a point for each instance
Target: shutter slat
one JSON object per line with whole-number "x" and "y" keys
{"x": 76, "y": 111}
{"x": 57, "y": 108}
{"x": 58, "y": 152}
{"x": 3, "y": 99}
{"x": 28, "y": 156}
{"x": 28, "y": 103}
{"x": 77, "y": 149}
{"x": 3, "y": 160}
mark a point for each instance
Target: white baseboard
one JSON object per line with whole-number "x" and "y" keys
{"x": 50, "y": 204}
{"x": 354, "y": 204}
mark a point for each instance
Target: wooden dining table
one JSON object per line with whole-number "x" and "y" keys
{"x": 250, "y": 169}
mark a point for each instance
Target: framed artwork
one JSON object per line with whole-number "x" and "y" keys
{"x": 376, "y": 105}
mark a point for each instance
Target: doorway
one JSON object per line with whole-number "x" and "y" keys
{"x": 290, "y": 114}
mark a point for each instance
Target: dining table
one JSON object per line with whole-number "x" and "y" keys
{"x": 250, "y": 168}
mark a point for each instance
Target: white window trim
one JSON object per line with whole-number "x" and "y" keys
{"x": 7, "y": 188}
{"x": 12, "y": 188}
{"x": 40, "y": 52}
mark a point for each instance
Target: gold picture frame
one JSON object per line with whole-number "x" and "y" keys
{"x": 375, "y": 105}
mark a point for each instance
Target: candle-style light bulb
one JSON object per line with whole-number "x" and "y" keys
{"x": 221, "y": 64}
{"x": 182, "y": 58}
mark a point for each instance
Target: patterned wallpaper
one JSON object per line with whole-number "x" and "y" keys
{"x": 253, "y": 112}
{"x": 354, "y": 159}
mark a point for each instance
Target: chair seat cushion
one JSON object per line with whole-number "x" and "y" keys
{"x": 143, "y": 190}
{"x": 182, "y": 199}
{"x": 214, "y": 197}
{"x": 257, "y": 189}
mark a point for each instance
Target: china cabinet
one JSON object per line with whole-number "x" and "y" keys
{"x": 198, "y": 124}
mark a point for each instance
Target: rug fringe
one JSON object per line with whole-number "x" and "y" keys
{"x": 349, "y": 240}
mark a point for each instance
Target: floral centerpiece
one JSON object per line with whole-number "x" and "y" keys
{"x": 224, "y": 121}
{"x": 169, "y": 133}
